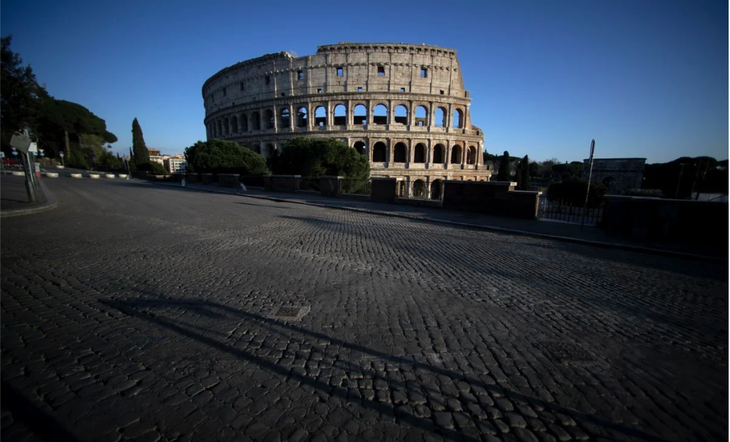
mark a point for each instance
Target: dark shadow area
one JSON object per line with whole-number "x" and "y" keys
{"x": 41, "y": 423}
{"x": 132, "y": 307}
{"x": 268, "y": 206}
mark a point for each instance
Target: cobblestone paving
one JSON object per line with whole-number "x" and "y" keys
{"x": 134, "y": 312}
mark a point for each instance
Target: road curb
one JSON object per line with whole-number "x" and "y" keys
{"x": 601, "y": 244}
{"x": 50, "y": 204}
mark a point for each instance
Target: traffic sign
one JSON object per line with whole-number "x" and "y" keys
{"x": 2, "y": 154}
{"x": 61, "y": 154}
{"x": 20, "y": 141}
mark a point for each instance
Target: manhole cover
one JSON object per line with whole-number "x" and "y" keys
{"x": 288, "y": 313}
{"x": 567, "y": 353}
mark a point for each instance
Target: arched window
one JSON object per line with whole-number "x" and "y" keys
{"x": 399, "y": 153}
{"x": 438, "y": 154}
{"x": 320, "y": 116}
{"x": 458, "y": 120}
{"x": 401, "y": 114}
{"x": 436, "y": 190}
{"x": 471, "y": 155}
{"x": 456, "y": 154}
{"x": 440, "y": 120}
{"x": 220, "y": 128}
{"x": 225, "y": 126}
{"x": 302, "y": 117}
{"x": 360, "y": 147}
{"x": 244, "y": 123}
{"x": 269, "y": 119}
{"x": 421, "y": 116}
{"x": 419, "y": 155}
{"x": 268, "y": 150}
{"x": 256, "y": 121}
{"x": 419, "y": 189}
{"x": 285, "y": 118}
{"x": 380, "y": 114}
{"x": 360, "y": 114}
{"x": 340, "y": 115}
{"x": 379, "y": 152}
{"x": 234, "y": 124}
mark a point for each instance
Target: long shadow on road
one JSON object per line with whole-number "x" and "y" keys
{"x": 138, "y": 308}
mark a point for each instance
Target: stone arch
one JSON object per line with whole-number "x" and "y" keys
{"x": 244, "y": 123}
{"x": 340, "y": 115}
{"x": 220, "y": 128}
{"x": 268, "y": 150}
{"x": 302, "y": 116}
{"x": 401, "y": 114}
{"x": 419, "y": 189}
{"x": 421, "y": 116}
{"x": 225, "y": 126}
{"x": 440, "y": 117}
{"x": 255, "y": 121}
{"x": 320, "y": 116}
{"x": 456, "y": 154}
{"x": 234, "y": 124}
{"x": 360, "y": 147}
{"x": 471, "y": 155}
{"x": 436, "y": 186}
{"x": 269, "y": 119}
{"x": 360, "y": 113}
{"x": 285, "y": 118}
{"x": 380, "y": 114}
{"x": 419, "y": 153}
{"x": 380, "y": 152}
{"x": 458, "y": 119}
{"x": 439, "y": 154}
{"x": 399, "y": 153}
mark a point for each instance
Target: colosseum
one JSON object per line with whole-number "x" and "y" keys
{"x": 402, "y": 105}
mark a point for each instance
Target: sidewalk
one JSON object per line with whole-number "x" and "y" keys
{"x": 14, "y": 197}
{"x": 542, "y": 229}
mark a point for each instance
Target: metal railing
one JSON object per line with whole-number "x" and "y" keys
{"x": 356, "y": 187}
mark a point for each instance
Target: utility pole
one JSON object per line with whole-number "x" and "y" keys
{"x": 681, "y": 171}
{"x": 588, "y": 187}
{"x": 21, "y": 141}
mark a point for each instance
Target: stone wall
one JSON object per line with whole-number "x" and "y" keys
{"x": 683, "y": 221}
{"x": 491, "y": 198}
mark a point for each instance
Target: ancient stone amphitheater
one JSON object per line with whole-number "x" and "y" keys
{"x": 402, "y": 105}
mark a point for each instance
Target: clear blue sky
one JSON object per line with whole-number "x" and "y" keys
{"x": 644, "y": 78}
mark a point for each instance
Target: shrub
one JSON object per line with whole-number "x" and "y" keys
{"x": 219, "y": 156}
{"x": 573, "y": 192}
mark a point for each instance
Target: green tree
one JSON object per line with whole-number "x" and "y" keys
{"x": 141, "y": 154}
{"x": 219, "y": 156}
{"x": 20, "y": 90}
{"x": 503, "y": 174}
{"x": 314, "y": 157}
{"x": 523, "y": 174}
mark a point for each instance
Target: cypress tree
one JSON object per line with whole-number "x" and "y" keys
{"x": 524, "y": 174}
{"x": 503, "y": 173}
{"x": 141, "y": 155}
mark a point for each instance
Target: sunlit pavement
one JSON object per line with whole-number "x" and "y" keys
{"x": 151, "y": 313}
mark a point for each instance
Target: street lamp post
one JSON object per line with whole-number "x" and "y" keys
{"x": 588, "y": 187}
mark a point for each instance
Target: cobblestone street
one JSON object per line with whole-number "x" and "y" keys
{"x": 136, "y": 312}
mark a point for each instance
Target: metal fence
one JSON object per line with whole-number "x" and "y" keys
{"x": 252, "y": 180}
{"x": 564, "y": 211}
{"x": 310, "y": 184}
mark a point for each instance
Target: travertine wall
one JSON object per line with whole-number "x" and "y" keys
{"x": 404, "y": 106}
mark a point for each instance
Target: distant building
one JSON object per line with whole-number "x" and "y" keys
{"x": 156, "y": 156}
{"x": 175, "y": 163}
{"x": 618, "y": 174}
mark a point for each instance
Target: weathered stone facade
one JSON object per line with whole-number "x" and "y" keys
{"x": 618, "y": 174}
{"x": 404, "y": 106}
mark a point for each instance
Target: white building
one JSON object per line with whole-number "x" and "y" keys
{"x": 175, "y": 163}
